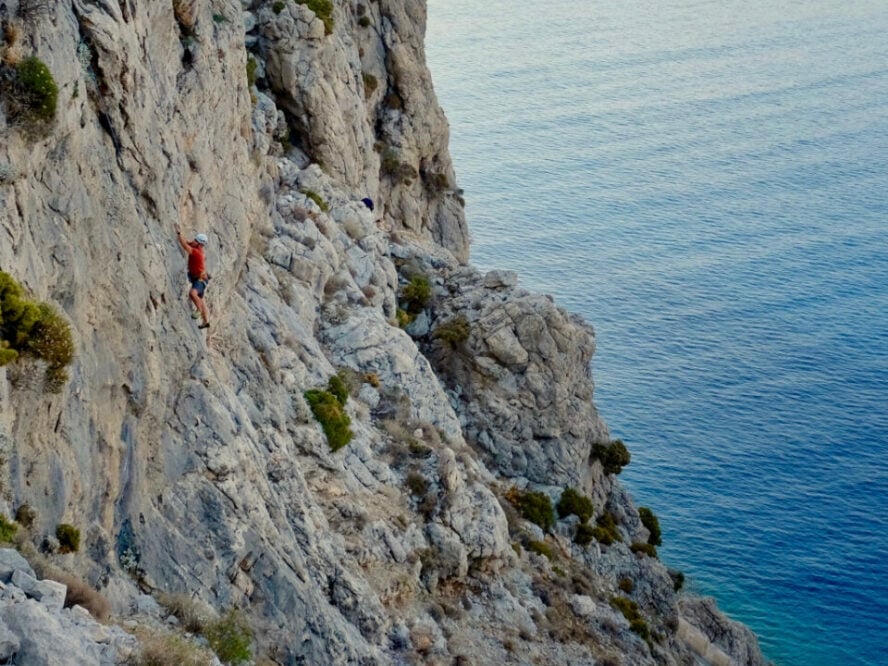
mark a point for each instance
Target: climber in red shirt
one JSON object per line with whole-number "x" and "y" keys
{"x": 197, "y": 274}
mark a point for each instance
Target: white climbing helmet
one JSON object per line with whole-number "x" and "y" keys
{"x": 201, "y": 238}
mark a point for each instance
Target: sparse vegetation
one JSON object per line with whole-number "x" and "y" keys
{"x": 403, "y": 318}
{"x": 416, "y": 484}
{"x": 626, "y": 585}
{"x": 169, "y": 649}
{"x": 7, "y": 529}
{"x": 231, "y": 638}
{"x": 630, "y": 611}
{"x": 364, "y": 21}
{"x": 252, "y": 65}
{"x": 640, "y": 547}
{"x": 649, "y": 520}
{"x": 678, "y": 579}
{"x": 453, "y": 332}
{"x": 31, "y": 95}
{"x": 416, "y": 294}
{"x": 323, "y": 9}
{"x": 69, "y": 538}
{"x": 25, "y": 516}
{"x": 34, "y": 329}
{"x": 606, "y": 531}
{"x": 193, "y": 615}
{"x": 278, "y": 7}
{"x": 317, "y": 198}
{"x": 535, "y": 507}
{"x": 614, "y": 456}
{"x": 584, "y": 534}
{"x": 370, "y": 83}
{"x": 80, "y": 593}
{"x": 327, "y": 408}
{"x": 391, "y": 163}
{"x": 541, "y": 548}
{"x": 572, "y": 502}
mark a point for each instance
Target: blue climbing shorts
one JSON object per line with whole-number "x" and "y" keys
{"x": 199, "y": 286}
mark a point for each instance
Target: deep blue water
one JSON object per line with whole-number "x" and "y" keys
{"x": 707, "y": 183}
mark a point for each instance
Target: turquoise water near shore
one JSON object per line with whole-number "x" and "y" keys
{"x": 707, "y": 184}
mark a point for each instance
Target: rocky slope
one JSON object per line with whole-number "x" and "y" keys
{"x": 193, "y": 463}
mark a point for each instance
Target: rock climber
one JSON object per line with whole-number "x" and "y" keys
{"x": 197, "y": 274}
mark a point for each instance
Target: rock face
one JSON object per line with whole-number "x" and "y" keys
{"x": 192, "y": 463}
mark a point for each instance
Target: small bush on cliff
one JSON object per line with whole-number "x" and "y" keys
{"x": 69, "y": 538}
{"x": 327, "y": 407}
{"x": 630, "y": 611}
{"x": 649, "y": 520}
{"x": 317, "y": 198}
{"x": 193, "y": 615}
{"x": 535, "y": 507}
{"x": 323, "y": 9}
{"x": 606, "y": 532}
{"x": 31, "y": 95}
{"x": 7, "y": 529}
{"x": 584, "y": 535}
{"x": 640, "y": 547}
{"x": 278, "y": 7}
{"x": 34, "y": 329}
{"x": 165, "y": 648}
{"x": 541, "y": 548}
{"x": 453, "y": 332}
{"x": 416, "y": 294}
{"x": 370, "y": 83}
{"x": 230, "y": 638}
{"x": 25, "y": 516}
{"x": 252, "y": 66}
{"x": 614, "y": 456}
{"x": 572, "y": 502}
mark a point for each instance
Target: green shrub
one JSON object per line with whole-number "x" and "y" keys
{"x": 317, "y": 198}
{"x": 403, "y": 318}
{"x": 278, "y": 7}
{"x": 51, "y": 342}
{"x": 572, "y": 502}
{"x": 35, "y": 329}
{"x": 323, "y": 9}
{"x": 252, "y": 65}
{"x": 339, "y": 388}
{"x": 230, "y": 638}
{"x": 328, "y": 411}
{"x": 370, "y": 83}
{"x": 537, "y": 508}
{"x": 33, "y": 93}
{"x": 416, "y": 294}
{"x": 640, "y": 547}
{"x": 69, "y": 538}
{"x": 606, "y": 531}
{"x": 678, "y": 580}
{"x": 437, "y": 182}
{"x": 25, "y": 516}
{"x": 220, "y": 18}
{"x": 614, "y": 456}
{"x": 584, "y": 535}
{"x": 649, "y": 520}
{"x": 541, "y": 548}
{"x": 453, "y": 332}
{"x": 416, "y": 484}
{"x": 391, "y": 163}
{"x": 626, "y": 585}
{"x": 364, "y": 22}
{"x": 7, "y": 529}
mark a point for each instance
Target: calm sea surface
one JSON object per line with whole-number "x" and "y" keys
{"x": 707, "y": 183}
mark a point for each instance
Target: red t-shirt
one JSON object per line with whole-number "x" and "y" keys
{"x": 196, "y": 261}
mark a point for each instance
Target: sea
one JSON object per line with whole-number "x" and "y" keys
{"x": 707, "y": 184}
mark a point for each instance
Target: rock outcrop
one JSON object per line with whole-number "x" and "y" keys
{"x": 194, "y": 464}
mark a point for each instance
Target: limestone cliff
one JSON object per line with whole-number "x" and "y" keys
{"x": 192, "y": 463}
